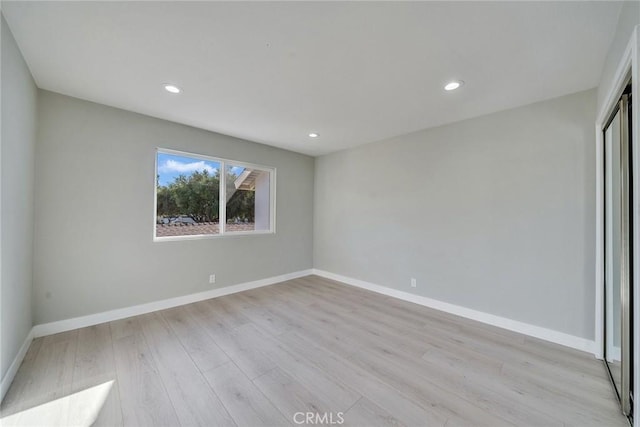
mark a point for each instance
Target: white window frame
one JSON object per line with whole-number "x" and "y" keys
{"x": 222, "y": 215}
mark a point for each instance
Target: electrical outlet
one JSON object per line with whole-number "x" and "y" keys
{"x": 414, "y": 283}
{"x": 212, "y": 278}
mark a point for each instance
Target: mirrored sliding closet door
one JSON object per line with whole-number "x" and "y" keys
{"x": 618, "y": 256}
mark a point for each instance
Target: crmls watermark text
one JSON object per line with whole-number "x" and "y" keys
{"x": 318, "y": 418}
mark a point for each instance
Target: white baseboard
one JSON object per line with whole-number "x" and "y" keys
{"x": 108, "y": 316}
{"x": 123, "y": 313}
{"x": 557, "y": 337}
{"x": 13, "y": 369}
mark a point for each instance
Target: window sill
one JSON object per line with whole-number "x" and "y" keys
{"x": 212, "y": 236}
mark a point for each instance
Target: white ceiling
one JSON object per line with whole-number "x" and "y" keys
{"x": 354, "y": 72}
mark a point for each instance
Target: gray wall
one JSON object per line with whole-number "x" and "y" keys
{"x": 494, "y": 214}
{"x": 629, "y": 18}
{"x": 17, "y": 153}
{"x": 94, "y": 213}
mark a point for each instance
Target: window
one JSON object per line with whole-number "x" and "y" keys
{"x": 199, "y": 196}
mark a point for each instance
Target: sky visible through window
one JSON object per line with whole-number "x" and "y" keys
{"x": 170, "y": 166}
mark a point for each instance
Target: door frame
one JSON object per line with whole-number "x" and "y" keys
{"x": 628, "y": 66}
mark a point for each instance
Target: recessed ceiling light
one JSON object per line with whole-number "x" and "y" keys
{"x": 314, "y": 135}
{"x": 172, "y": 88}
{"x": 453, "y": 85}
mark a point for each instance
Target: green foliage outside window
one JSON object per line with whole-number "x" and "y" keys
{"x": 197, "y": 196}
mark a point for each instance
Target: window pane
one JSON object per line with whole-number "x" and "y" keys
{"x": 187, "y": 194}
{"x": 248, "y": 199}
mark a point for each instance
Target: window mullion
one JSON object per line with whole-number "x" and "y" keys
{"x": 222, "y": 194}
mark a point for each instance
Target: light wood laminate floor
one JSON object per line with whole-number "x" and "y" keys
{"x": 306, "y": 345}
